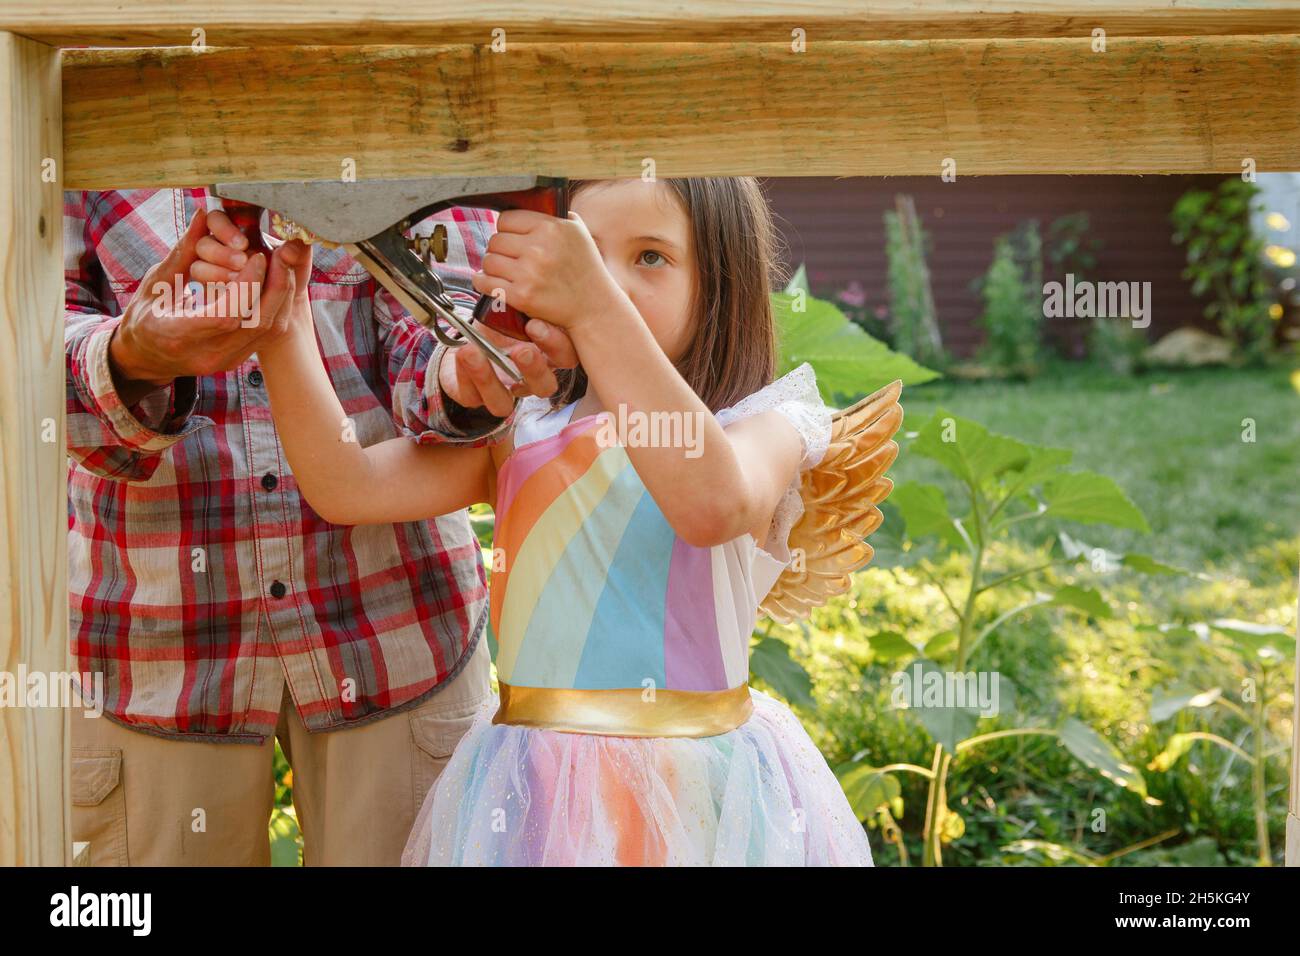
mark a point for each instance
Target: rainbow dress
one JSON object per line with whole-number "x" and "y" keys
{"x": 625, "y": 732}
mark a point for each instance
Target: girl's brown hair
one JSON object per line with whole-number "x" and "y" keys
{"x": 732, "y": 352}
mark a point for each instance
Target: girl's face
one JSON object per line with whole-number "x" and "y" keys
{"x": 644, "y": 238}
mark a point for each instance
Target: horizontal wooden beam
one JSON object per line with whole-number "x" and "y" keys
{"x": 154, "y": 117}
{"x": 255, "y": 23}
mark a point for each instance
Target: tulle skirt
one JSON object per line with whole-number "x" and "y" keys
{"x": 759, "y": 795}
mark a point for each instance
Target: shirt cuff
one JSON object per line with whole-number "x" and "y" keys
{"x": 454, "y": 423}
{"x": 154, "y": 423}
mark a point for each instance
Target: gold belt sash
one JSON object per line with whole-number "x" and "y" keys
{"x": 626, "y": 712}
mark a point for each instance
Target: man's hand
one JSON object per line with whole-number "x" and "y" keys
{"x": 160, "y": 339}
{"x": 471, "y": 380}
{"x": 217, "y": 260}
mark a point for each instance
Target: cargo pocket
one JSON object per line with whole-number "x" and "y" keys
{"x": 435, "y": 736}
{"x": 99, "y": 805}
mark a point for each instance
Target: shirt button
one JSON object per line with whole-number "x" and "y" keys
{"x": 255, "y": 378}
{"x": 269, "y": 482}
{"x": 277, "y": 589}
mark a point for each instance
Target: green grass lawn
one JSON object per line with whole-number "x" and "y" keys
{"x": 1172, "y": 440}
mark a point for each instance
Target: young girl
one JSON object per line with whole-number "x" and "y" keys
{"x": 629, "y": 562}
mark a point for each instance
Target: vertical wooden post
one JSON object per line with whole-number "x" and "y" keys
{"x": 1292, "y": 855}
{"x": 35, "y": 812}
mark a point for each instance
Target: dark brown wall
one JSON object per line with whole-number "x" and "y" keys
{"x": 836, "y": 227}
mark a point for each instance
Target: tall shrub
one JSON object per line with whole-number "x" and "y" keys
{"x": 913, "y": 323}
{"x": 1224, "y": 259}
{"x": 1013, "y": 303}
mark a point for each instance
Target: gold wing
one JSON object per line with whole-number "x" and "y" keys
{"x": 840, "y": 499}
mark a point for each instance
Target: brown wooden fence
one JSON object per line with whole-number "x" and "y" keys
{"x": 835, "y": 226}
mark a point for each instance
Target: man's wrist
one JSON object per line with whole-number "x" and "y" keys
{"x": 456, "y": 421}
{"x": 127, "y": 373}
{"x": 466, "y": 419}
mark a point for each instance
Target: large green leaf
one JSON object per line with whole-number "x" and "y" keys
{"x": 948, "y": 725}
{"x": 968, "y": 449}
{"x": 867, "y": 788}
{"x": 890, "y": 646}
{"x": 770, "y": 659}
{"x": 1090, "y": 498}
{"x": 1165, "y": 706}
{"x": 941, "y": 645}
{"x": 892, "y": 546}
{"x": 1088, "y": 600}
{"x": 849, "y": 363}
{"x": 1145, "y": 564}
{"x": 1043, "y": 460}
{"x": 1261, "y": 639}
{"x": 1103, "y": 561}
{"x": 924, "y": 511}
{"x": 1090, "y": 748}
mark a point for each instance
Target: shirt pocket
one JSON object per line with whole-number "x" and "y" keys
{"x": 99, "y": 804}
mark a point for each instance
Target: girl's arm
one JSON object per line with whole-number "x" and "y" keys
{"x": 734, "y": 484}
{"x": 392, "y": 481}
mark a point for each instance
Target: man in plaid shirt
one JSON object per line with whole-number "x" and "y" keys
{"x": 218, "y": 606}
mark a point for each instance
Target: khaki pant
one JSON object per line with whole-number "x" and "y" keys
{"x": 143, "y": 800}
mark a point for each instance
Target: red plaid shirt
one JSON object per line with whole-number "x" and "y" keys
{"x": 200, "y": 580}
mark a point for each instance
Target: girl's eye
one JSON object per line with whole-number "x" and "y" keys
{"x": 651, "y": 252}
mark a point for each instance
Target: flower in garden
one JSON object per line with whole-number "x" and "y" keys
{"x": 854, "y": 295}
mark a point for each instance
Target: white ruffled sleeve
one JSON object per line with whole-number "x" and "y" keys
{"x": 796, "y": 397}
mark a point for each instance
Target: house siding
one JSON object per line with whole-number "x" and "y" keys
{"x": 835, "y": 226}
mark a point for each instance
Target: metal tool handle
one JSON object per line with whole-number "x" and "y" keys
{"x": 420, "y": 292}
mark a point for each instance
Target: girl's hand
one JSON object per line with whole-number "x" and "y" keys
{"x": 468, "y": 378}
{"x": 548, "y": 268}
{"x": 294, "y": 257}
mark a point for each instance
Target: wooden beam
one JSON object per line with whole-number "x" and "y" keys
{"x": 155, "y": 117}
{"x": 252, "y": 23}
{"x": 35, "y": 810}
